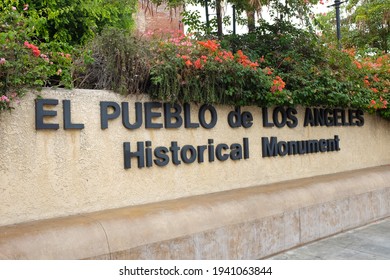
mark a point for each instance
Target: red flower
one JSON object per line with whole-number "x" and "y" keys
{"x": 267, "y": 71}
{"x": 245, "y": 61}
{"x": 374, "y": 90}
{"x": 278, "y": 84}
{"x": 254, "y": 65}
{"x": 357, "y": 63}
{"x": 366, "y": 82}
{"x": 218, "y": 59}
{"x": 188, "y": 63}
{"x": 198, "y": 64}
{"x": 226, "y": 55}
{"x": 212, "y": 45}
{"x": 35, "y": 50}
{"x": 384, "y": 102}
{"x": 262, "y": 60}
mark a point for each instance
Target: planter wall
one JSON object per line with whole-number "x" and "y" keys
{"x": 79, "y": 181}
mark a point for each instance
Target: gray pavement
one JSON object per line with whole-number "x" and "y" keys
{"x": 370, "y": 242}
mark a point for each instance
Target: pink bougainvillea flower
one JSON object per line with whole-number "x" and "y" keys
{"x": 2, "y": 60}
{"x": 25, "y": 7}
{"x": 45, "y": 57}
{"x": 5, "y": 98}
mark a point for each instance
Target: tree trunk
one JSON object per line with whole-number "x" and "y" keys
{"x": 219, "y": 18}
{"x": 251, "y": 20}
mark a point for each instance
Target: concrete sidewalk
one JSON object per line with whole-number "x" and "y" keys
{"x": 370, "y": 242}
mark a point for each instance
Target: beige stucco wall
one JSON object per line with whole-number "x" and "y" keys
{"x": 53, "y": 173}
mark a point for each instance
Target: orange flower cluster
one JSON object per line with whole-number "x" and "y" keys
{"x": 366, "y": 81}
{"x": 350, "y": 52}
{"x": 188, "y": 63}
{"x": 262, "y": 59}
{"x": 36, "y": 52}
{"x": 226, "y": 55}
{"x": 217, "y": 54}
{"x": 371, "y": 84}
{"x": 245, "y": 61}
{"x": 198, "y": 63}
{"x": 267, "y": 71}
{"x": 375, "y": 78}
{"x": 380, "y": 104}
{"x": 211, "y": 45}
{"x": 278, "y": 84}
{"x": 358, "y": 64}
{"x": 378, "y": 63}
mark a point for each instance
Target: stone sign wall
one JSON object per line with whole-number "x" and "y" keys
{"x": 70, "y": 152}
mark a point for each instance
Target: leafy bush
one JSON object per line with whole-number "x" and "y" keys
{"x": 25, "y": 63}
{"x": 175, "y": 68}
{"x": 75, "y": 21}
{"x": 317, "y": 74}
{"x": 38, "y": 40}
{"x": 119, "y": 61}
{"x": 277, "y": 64}
{"x": 281, "y": 66}
{"x": 187, "y": 70}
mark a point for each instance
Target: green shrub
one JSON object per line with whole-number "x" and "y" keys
{"x": 119, "y": 61}
{"x": 25, "y": 63}
{"x": 189, "y": 70}
{"x": 317, "y": 74}
{"x": 75, "y": 22}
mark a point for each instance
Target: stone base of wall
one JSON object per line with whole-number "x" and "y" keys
{"x": 248, "y": 223}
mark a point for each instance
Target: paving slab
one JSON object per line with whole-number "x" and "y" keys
{"x": 370, "y": 242}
